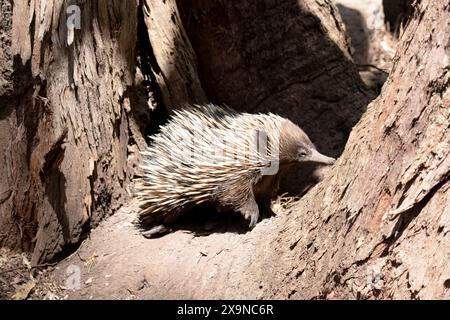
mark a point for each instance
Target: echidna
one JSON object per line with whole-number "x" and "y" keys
{"x": 211, "y": 154}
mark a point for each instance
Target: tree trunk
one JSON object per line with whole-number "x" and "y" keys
{"x": 174, "y": 59}
{"x": 378, "y": 225}
{"x": 65, "y": 120}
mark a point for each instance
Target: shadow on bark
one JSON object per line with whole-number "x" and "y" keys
{"x": 279, "y": 56}
{"x": 357, "y": 31}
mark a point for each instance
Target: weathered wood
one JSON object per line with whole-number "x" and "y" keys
{"x": 17, "y": 229}
{"x": 174, "y": 62}
{"x": 378, "y": 225}
{"x": 71, "y": 125}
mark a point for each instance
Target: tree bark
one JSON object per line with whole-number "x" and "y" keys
{"x": 378, "y": 225}
{"x": 174, "y": 59}
{"x": 65, "y": 120}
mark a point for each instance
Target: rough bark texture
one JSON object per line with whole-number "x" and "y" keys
{"x": 17, "y": 230}
{"x": 65, "y": 127}
{"x": 378, "y": 225}
{"x": 174, "y": 60}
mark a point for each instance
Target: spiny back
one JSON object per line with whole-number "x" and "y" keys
{"x": 200, "y": 149}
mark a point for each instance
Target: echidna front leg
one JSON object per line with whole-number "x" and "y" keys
{"x": 250, "y": 210}
{"x": 239, "y": 196}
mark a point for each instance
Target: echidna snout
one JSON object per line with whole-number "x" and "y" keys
{"x": 296, "y": 147}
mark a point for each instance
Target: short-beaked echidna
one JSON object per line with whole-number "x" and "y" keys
{"x": 211, "y": 154}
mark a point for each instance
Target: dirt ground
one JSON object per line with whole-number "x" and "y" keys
{"x": 20, "y": 281}
{"x": 117, "y": 262}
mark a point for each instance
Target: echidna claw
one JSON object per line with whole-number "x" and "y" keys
{"x": 254, "y": 220}
{"x": 250, "y": 211}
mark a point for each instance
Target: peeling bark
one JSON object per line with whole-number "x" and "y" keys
{"x": 174, "y": 59}
{"x": 67, "y": 133}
